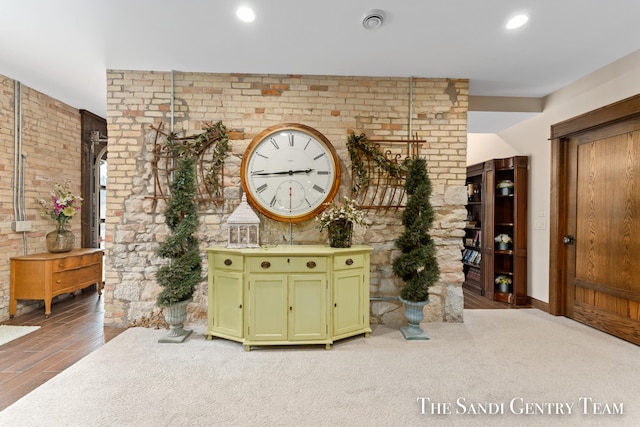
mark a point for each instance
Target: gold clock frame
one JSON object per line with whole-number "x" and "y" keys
{"x": 249, "y": 152}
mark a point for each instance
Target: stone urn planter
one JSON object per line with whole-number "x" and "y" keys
{"x": 175, "y": 315}
{"x": 413, "y": 312}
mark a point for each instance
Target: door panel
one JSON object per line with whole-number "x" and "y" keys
{"x": 602, "y": 271}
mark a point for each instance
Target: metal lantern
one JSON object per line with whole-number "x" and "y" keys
{"x": 244, "y": 227}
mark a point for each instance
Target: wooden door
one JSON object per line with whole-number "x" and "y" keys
{"x": 597, "y": 235}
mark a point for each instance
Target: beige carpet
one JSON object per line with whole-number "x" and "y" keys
{"x": 504, "y": 361}
{"x": 10, "y": 332}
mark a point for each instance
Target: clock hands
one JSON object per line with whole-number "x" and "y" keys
{"x": 290, "y": 172}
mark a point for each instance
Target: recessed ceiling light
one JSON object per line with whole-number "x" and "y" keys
{"x": 517, "y": 22}
{"x": 245, "y": 14}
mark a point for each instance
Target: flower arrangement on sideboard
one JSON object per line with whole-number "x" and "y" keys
{"x": 62, "y": 206}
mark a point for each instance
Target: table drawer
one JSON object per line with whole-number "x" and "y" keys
{"x": 301, "y": 264}
{"x": 344, "y": 262}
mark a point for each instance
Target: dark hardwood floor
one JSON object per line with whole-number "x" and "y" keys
{"x": 475, "y": 301}
{"x": 74, "y": 329}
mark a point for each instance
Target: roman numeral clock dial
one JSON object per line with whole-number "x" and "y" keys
{"x": 289, "y": 172}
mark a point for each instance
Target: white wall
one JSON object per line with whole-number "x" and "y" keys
{"x": 612, "y": 83}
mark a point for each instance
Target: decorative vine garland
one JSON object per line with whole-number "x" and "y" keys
{"x": 360, "y": 148}
{"x": 194, "y": 145}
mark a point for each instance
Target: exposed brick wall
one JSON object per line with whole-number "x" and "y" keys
{"x": 247, "y": 104}
{"x": 51, "y": 144}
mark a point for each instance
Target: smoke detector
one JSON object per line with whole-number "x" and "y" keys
{"x": 373, "y": 19}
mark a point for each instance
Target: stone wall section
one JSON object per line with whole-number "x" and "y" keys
{"x": 51, "y": 147}
{"x": 247, "y": 104}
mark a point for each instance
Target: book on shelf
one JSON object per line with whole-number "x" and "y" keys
{"x": 476, "y": 240}
{"x": 471, "y": 256}
{"x": 473, "y": 274}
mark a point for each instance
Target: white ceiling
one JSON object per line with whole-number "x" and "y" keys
{"x": 63, "y": 47}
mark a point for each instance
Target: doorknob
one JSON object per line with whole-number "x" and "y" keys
{"x": 568, "y": 239}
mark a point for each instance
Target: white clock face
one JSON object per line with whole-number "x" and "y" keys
{"x": 289, "y": 172}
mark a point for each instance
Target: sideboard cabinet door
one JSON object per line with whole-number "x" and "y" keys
{"x": 267, "y": 311}
{"x": 226, "y": 299}
{"x": 307, "y": 307}
{"x": 347, "y": 302}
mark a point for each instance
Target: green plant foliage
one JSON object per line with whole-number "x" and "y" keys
{"x": 360, "y": 148}
{"x": 214, "y": 134}
{"x": 180, "y": 277}
{"x": 417, "y": 265}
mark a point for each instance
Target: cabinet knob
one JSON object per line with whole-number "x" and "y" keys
{"x": 227, "y": 262}
{"x": 240, "y": 306}
{"x": 61, "y": 265}
{"x": 311, "y": 264}
{"x": 349, "y": 261}
{"x": 265, "y": 264}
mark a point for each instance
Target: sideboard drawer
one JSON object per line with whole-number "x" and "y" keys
{"x": 298, "y": 264}
{"x": 71, "y": 278}
{"x": 228, "y": 262}
{"x": 71, "y": 263}
{"x": 308, "y": 264}
{"x": 344, "y": 262}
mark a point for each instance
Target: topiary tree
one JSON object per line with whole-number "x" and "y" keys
{"x": 417, "y": 264}
{"x": 180, "y": 277}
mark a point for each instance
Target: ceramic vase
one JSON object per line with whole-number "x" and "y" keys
{"x": 503, "y": 287}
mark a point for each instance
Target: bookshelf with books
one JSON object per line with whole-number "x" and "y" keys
{"x": 497, "y": 211}
{"x": 472, "y": 244}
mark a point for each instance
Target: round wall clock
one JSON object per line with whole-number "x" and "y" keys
{"x": 289, "y": 172}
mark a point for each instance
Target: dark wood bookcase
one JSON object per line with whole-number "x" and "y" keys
{"x": 472, "y": 258}
{"x": 492, "y": 211}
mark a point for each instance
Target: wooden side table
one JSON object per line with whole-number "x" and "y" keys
{"x": 46, "y": 275}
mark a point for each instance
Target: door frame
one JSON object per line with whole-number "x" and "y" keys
{"x": 93, "y": 140}
{"x": 561, "y": 163}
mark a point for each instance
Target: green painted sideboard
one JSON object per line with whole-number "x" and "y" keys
{"x": 289, "y": 294}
